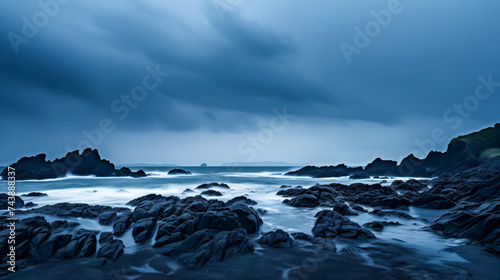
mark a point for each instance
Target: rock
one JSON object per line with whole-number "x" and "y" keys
{"x": 205, "y": 247}
{"x": 106, "y": 237}
{"x": 211, "y": 193}
{"x": 433, "y": 201}
{"x": 247, "y": 216}
{"x": 326, "y": 171}
{"x": 276, "y": 239}
{"x": 4, "y": 202}
{"x": 82, "y": 244}
{"x": 74, "y": 210}
{"x": 359, "y": 175}
{"x": 392, "y": 201}
{"x": 203, "y": 165}
{"x": 178, "y": 172}
{"x": 143, "y": 229}
{"x": 154, "y": 198}
{"x": 410, "y": 185}
{"x": 169, "y": 239}
{"x": 382, "y": 168}
{"x": 30, "y": 204}
{"x": 241, "y": 199}
{"x": 379, "y": 225}
{"x": 304, "y": 200}
{"x": 343, "y": 209}
{"x": 122, "y": 223}
{"x": 212, "y": 185}
{"x": 332, "y": 224}
{"x": 291, "y": 192}
{"x": 383, "y": 213}
{"x": 87, "y": 163}
{"x": 303, "y": 236}
{"x": 219, "y": 221}
{"x": 35, "y": 194}
{"x": 358, "y": 208}
{"x": 480, "y": 224}
{"x": 111, "y": 251}
{"x": 188, "y": 191}
{"x": 107, "y": 218}
{"x": 60, "y": 225}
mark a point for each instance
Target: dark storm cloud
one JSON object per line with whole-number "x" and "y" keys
{"x": 234, "y": 64}
{"x": 226, "y": 75}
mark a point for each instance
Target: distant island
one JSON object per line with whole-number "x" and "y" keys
{"x": 261, "y": 163}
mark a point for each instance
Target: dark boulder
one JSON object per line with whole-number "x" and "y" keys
{"x": 276, "y": 239}
{"x": 326, "y": 171}
{"x": 359, "y": 175}
{"x": 330, "y": 224}
{"x": 205, "y": 247}
{"x": 302, "y": 236}
{"x": 211, "y": 193}
{"x": 384, "y": 213}
{"x": 212, "y": 185}
{"x": 480, "y": 224}
{"x": 106, "y": 237}
{"x": 358, "y": 208}
{"x": 63, "y": 225}
{"x": 343, "y": 209}
{"x": 122, "y": 223}
{"x": 219, "y": 221}
{"x": 379, "y": 225}
{"x": 107, "y": 218}
{"x": 16, "y": 203}
{"x": 410, "y": 185}
{"x": 178, "y": 171}
{"x": 35, "y": 194}
{"x": 82, "y": 244}
{"x": 143, "y": 229}
{"x": 392, "y": 201}
{"x": 433, "y": 201}
{"x": 305, "y": 200}
{"x": 111, "y": 251}
{"x": 291, "y": 192}
{"x": 247, "y": 216}
{"x": 382, "y": 168}
{"x": 241, "y": 199}
{"x": 74, "y": 210}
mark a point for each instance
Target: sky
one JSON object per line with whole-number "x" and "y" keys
{"x": 191, "y": 82}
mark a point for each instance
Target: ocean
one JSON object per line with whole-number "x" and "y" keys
{"x": 257, "y": 183}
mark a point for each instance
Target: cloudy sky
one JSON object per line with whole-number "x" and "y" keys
{"x": 186, "y": 82}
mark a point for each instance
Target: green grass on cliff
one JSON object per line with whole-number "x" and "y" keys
{"x": 486, "y": 141}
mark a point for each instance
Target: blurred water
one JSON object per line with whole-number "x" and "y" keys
{"x": 257, "y": 183}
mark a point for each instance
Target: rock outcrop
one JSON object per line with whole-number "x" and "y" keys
{"x": 89, "y": 162}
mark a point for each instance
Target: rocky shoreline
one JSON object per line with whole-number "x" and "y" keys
{"x": 89, "y": 162}
{"x": 197, "y": 234}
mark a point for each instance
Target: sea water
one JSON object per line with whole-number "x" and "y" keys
{"x": 257, "y": 183}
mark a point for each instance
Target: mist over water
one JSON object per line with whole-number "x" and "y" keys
{"x": 257, "y": 183}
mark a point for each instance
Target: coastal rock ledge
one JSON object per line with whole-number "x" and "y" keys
{"x": 89, "y": 162}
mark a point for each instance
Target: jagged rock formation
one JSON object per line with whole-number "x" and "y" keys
{"x": 463, "y": 153}
{"x": 89, "y": 162}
